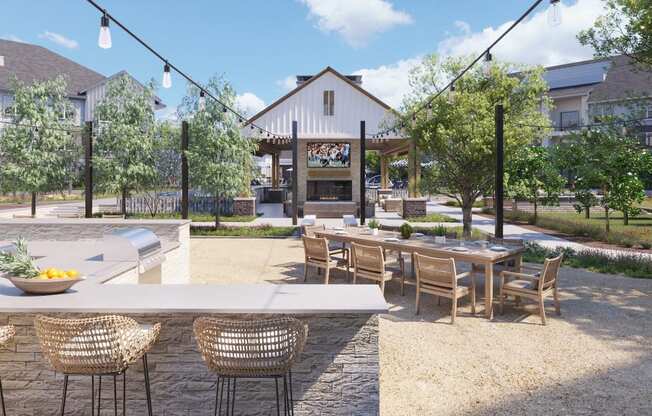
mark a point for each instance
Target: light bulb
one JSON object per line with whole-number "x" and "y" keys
{"x": 104, "y": 40}
{"x": 554, "y": 13}
{"x": 486, "y": 67}
{"x": 202, "y": 101}
{"x": 167, "y": 77}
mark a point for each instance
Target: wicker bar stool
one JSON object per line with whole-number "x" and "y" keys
{"x": 251, "y": 349}
{"x": 6, "y": 333}
{"x": 99, "y": 346}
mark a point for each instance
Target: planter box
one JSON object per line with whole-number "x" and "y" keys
{"x": 244, "y": 207}
{"x": 414, "y": 207}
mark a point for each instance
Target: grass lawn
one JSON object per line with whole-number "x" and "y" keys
{"x": 637, "y": 234}
{"x": 258, "y": 231}
{"x": 453, "y": 203}
{"x": 432, "y": 217}
{"x": 197, "y": 217}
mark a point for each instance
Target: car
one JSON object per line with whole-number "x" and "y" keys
{"x": 374, "y": 182}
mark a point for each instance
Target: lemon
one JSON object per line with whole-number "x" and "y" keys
{"x": 51, "y": 272}
{"x": 72, "y": 273}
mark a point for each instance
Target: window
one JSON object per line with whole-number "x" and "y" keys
{"x": 569, "y": 120}
{"x": 648, "y": 112}
{"x": 329, "y": 103}
{"x": 648, "y": 138}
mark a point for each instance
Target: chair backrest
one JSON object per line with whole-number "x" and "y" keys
{"x": 550, "y": 271}
{"x": 309, "y": 230}
{"x": 368, "y": 258}
{"x": 255, "y": 348}
{"x": 315, "y": 248}
{"x": 85, "y": 346}
{"x": 436, "y": 271}
{"x": 349, "y": 220}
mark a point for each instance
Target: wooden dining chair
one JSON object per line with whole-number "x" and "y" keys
{"x": 334, "y": 247}
{"x": 439, "y": 277}
{"x": 318, "y": 255}
{"x": 536, "y": 286}
{"x": 369, "y": 262}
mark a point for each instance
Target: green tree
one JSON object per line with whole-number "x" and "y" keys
{"x": 167, "y": 164}
{"x": 220, "y": 158}
{"x": 124, "y": 145}
{"x": 625, "y": 29}
{"x": 38, "y": 152}
{"x": 458, "y": 133}
{"x": 606, "y": 159}
{"x": 532, "y": 175}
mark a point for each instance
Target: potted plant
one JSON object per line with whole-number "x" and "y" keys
{"x": 21, "y": 270}
{"x": 406, "y": 230}
{"x": 374, "y": 225}
{"x": 440, "y": 234}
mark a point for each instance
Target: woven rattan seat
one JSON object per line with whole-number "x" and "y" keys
{"x": 104, "y": 345}
{"x": 264, "y": 348}
{"x": 6, "y": 333}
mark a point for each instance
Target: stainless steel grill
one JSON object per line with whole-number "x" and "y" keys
{"x": 135, "y": 244}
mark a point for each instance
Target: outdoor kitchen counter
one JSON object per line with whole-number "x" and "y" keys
{"x": 89, "y": 297}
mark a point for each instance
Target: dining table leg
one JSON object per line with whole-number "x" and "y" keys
{"x": 518, "y": 261}
{"x": 488, "y": 290}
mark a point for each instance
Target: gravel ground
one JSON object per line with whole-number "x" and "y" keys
{"x": 596, "y": 359}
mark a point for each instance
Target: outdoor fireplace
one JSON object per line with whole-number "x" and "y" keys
{"x": 329, "y": 191}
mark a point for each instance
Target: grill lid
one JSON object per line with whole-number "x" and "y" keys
{"x": 135, "y": 244}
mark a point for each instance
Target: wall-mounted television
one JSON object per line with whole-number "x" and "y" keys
{"x": 329, "y": 155}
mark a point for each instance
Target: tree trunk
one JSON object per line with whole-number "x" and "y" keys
{"x": 606, "y": 219}
{"x": 536, "y": 211}
{"x": 625, "y": 217}
{"x": 33, "y": 204}
{"x": 514, "y": 205}
{"x": 467, "y": 217}
{"x": 217, "y": 210}
{"x": 124, "y": 202}
{"x": 587, "y": 212}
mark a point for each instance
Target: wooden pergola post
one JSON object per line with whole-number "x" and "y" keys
{"x": 185, "y": 201}
{"x": 295, "y": 174}
{"x": 88, "y": 170}
{"x": 384, "y": 172}
{"x": 412, "y": 169}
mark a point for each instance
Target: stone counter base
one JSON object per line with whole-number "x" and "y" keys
{"x": 336, "y": 375}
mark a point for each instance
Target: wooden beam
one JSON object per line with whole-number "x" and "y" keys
{"x": 185, "y": 201}
{"x": 295, "y": 173}
{"x": 88, "y": 170}
{"x": 363, "y": 193}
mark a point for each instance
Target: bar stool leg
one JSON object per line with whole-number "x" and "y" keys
{"x": 221, "y": 395}
{"x": 217, "y": 393}
{"x": 99, "y": 395}
{"x": 115, "y": 397}
{"x": 124, "y": 393}
{"x": 278, "y": 405}
{"x": 147, "y": 391}
{"x": 92, "y": 395}
{"x": 286, "y": 398}
{"x": 65, "y": 390}
{"x": 233, "y": 398}
{"x": 291, "y": 396}
{"x": 2, "y": 400}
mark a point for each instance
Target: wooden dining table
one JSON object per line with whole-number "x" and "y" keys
{"x": 462, "y": 251}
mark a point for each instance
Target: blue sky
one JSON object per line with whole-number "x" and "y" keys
{"x": 258, "y": 45}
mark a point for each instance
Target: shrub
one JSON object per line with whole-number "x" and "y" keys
{"x": 406, "y": 230}
{"x": 374, "y": 224}
{"x": 440, "y": 230}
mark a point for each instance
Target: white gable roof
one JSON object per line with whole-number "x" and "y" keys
{"x": 305, "y": 104}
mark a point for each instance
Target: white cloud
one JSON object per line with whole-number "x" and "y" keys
{"x": 357, "y": 21}
{"x": 12, "y": 37}
{"x": 389, "y": 82}
{"x": 249, "y": 103}
{"x": 288, "y": 83}
{"x": 533, "y": 41}
{"x": 59, "y": 39}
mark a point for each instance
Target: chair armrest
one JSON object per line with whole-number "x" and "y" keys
{"x": 506, "y": 273}
{"x": 463, "y": 275}
{"x": 533, "y": 268}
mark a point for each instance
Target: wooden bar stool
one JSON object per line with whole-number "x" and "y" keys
{"x": 251, "y": 349}
{"x": 6, "y": 333}
{"x": 100, "y": 346}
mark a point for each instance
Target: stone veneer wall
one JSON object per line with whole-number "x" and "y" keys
{"x": 337, "y": 174}
{"x": 336, "y": 375}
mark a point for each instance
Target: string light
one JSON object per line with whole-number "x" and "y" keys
{"x": 202, "y": 100}
{"x": 554, "y": 13}
{"x": 486, "y": 67}
{"x": 104, "y": 39}
{"x": 167, "y": 77}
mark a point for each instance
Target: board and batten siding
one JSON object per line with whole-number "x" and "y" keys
{"x": 307, "y": 108}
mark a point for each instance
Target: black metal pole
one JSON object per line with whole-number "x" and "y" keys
{"x": 184, "y": 170}
{"x": 500, "y": 154}
{"x": 363, "y": 172}
{"x": 295, "y": 176}
{"x": 88, "y": 170}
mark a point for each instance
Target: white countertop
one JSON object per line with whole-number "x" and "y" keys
{"x": 90, "y": 297}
